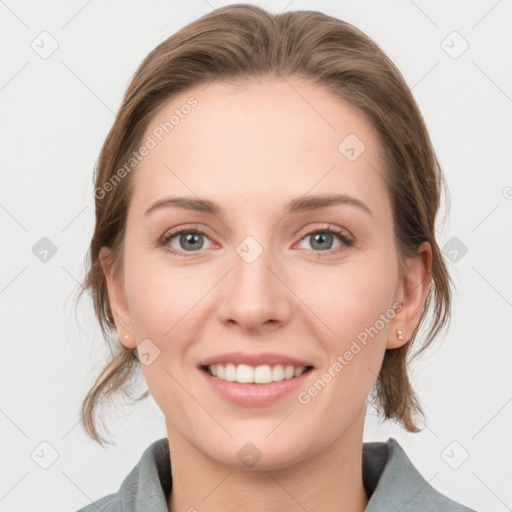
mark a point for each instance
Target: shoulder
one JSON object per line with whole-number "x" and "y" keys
{"x": 149, "y": 482}
{"x": 398, "y": 485}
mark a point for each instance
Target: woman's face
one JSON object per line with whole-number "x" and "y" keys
{"x": 274, "y": 279}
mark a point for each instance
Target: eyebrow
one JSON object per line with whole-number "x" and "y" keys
{"x": 299, "y": 204}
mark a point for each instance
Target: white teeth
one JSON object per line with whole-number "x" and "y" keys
{"x": 299, "y": 371}
{"x": 263, "y": 374}
{"x": 277, "y": 373}
{"x": 288, "y": 372}
{"x": 230, "y": 372}
{"x": 244, "y": 373}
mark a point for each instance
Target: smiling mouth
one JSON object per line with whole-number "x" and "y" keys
{"x": 263, "y": 374}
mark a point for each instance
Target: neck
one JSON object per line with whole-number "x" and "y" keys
{"x": 330, "y": 480}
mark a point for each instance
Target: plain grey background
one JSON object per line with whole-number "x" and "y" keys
{"x": 65, "y": 67}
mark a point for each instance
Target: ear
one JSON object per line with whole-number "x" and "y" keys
{"x": 117, "y": 299}
{"x": 411, "y": 293}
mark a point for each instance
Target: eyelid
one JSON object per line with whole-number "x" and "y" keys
{"x": 185, "y": 227}
{"x": 308, "y": 230}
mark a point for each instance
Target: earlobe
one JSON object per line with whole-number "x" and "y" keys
{"x": 397, "y": 337}
{"x": 117, "y": 299}
{"x": 412, "y": 294}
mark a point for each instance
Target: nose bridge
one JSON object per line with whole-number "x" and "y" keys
{"x": 252, "y": 265}
{"x": 253, "y": 294}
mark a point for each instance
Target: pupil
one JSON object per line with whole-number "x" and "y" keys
{"x": 190, "y": 238}
{"x": 321, "y": 237}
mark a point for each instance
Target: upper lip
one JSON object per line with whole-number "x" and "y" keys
{"x": 264, "y": 358}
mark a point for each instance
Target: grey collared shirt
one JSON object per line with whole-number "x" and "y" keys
{"x": 389, "y": 477}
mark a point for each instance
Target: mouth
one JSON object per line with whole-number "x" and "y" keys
{"x": 255, "y": 380}
{"x": 247, "y": 374}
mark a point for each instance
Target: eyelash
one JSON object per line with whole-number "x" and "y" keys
{"x": 167, "y": 237}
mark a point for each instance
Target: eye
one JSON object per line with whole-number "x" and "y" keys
{"x": 191, "y": 240}
{"x": 322, "y": 239}
{"x": 181, "y": 241}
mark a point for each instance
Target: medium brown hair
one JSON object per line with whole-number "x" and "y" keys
{"x": 240, "y": 42}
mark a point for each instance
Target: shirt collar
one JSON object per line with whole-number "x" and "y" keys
{"x": 388, "y": 476}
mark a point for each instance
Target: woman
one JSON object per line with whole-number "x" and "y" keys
{"x": 265, "y": 251}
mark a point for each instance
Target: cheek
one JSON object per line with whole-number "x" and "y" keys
{"x": 164, "y": 308}
{"x": 161, "y": 300}
{"x": 352, "y": 298}
{"x": 168, "y": 307}
{"x": 358, "y": 309}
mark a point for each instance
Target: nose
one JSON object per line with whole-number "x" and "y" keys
{"x": 254, "y": 295}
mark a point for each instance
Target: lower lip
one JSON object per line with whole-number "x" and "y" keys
{"x": 254, "y": 394}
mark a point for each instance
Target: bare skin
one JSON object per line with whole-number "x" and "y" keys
{"x": 251, "y": 149}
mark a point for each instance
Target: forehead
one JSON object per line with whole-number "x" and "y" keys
{"x": 260, "y": 141}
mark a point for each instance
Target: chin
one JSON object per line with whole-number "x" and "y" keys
{"x": 256, "y": 452}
